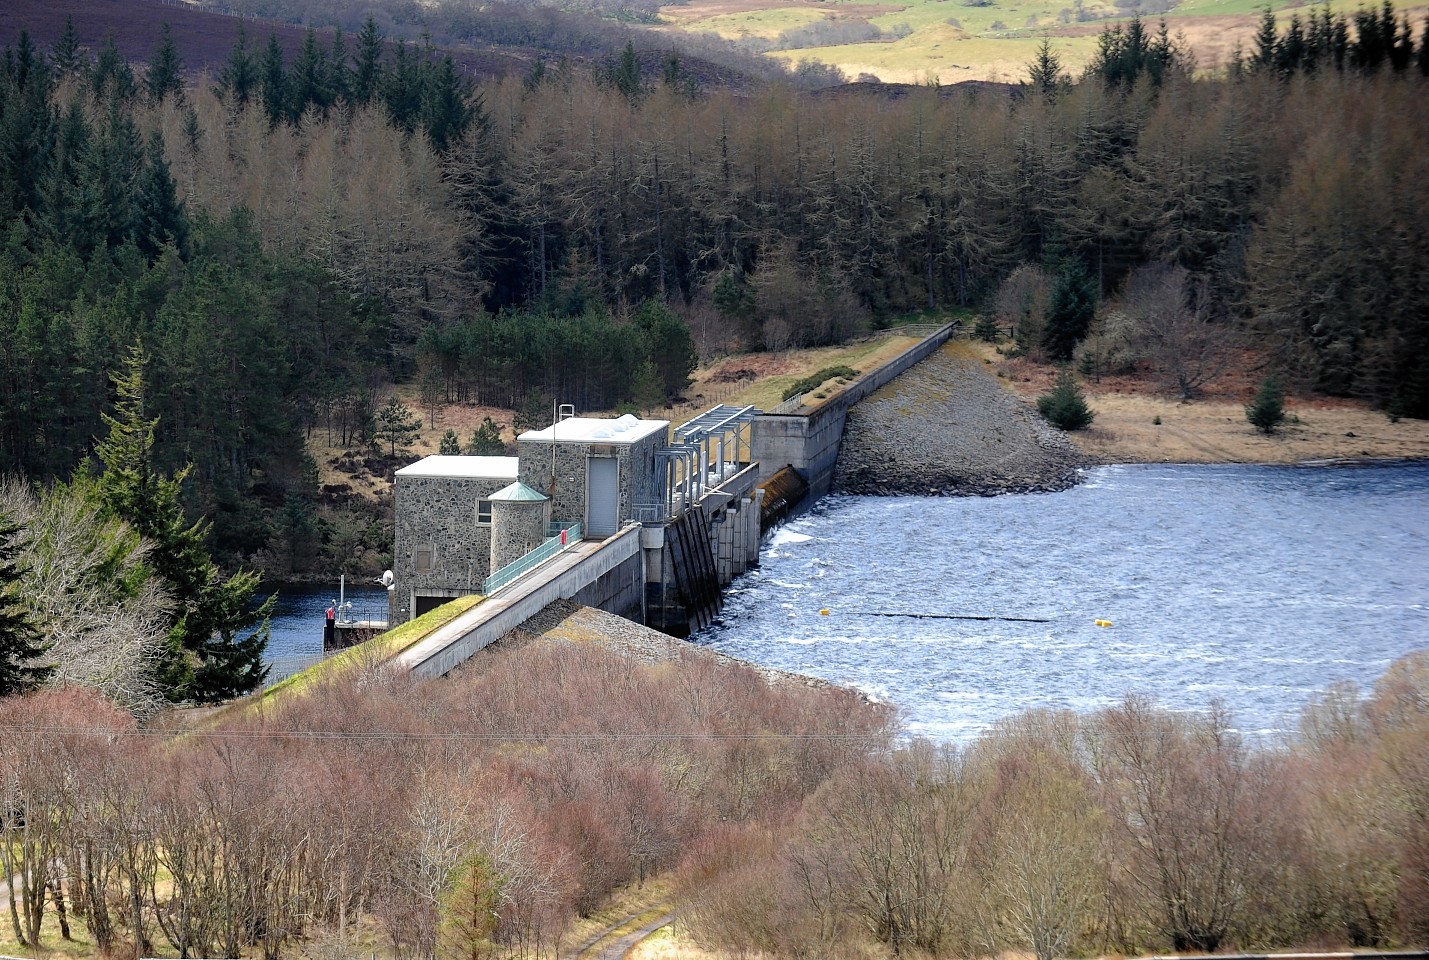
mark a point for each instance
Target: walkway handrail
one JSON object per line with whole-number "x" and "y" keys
{"x": 561, "y": 535}
{"x": 788, "y": 406}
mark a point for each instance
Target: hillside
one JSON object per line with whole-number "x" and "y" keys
{"x": 951, "y": 41}
{"x": 505, "y": 40}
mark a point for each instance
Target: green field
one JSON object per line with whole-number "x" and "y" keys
{"x": 953, "y": 40}
{"x": 760, "y": 23}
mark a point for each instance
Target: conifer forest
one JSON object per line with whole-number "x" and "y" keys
{"x": 290, "y": 233}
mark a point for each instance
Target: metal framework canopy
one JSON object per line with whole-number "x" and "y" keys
{"x": 713, "y": 422}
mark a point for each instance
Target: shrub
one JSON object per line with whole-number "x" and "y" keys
{"x": 1064, "y": 406}
{"x": 1267, "y": 410}
{"x": 986, "y": 328}
{"x": 816, "y": 379}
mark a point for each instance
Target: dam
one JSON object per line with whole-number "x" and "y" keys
{"x": 637, "y": 517}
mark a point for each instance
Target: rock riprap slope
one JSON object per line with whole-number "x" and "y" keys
{"x": 947, "y": 427}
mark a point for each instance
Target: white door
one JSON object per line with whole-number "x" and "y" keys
{"x": 602, "y": 496}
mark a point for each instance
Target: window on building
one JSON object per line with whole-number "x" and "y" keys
{"x": 483, "y": 511}
{"x": 425, "y": 557}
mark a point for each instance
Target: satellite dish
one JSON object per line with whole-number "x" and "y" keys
{"x": 387, "y": 578}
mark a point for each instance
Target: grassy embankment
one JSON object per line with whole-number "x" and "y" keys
{"x": 954, "y": 41}
{"x": 1137, "y": 421}
{"x": 367, "y": 654}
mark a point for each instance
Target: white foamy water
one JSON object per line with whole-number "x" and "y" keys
{"x": 1255, "y": 586}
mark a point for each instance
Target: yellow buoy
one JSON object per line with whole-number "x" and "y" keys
{"x": 824, "y": 612}
{"x": 1103, "y": 623}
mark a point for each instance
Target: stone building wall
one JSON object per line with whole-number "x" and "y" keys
{"x": 436, "y": 528}
{"x": 567, "y": 496}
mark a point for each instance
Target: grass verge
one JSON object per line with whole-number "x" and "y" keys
{"x": 382, "y": 647}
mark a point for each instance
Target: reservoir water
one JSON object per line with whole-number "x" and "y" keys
{"x": 296, "y": 636}
{"x": 1255, "y": 586}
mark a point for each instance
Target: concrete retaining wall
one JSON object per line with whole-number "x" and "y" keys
{"x": 809, "y": 440}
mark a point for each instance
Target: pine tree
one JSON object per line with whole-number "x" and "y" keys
{"x": 397, "y": 425}
{"x": 339, "y": 71}
{"x": 1267, "y": 411}
{"x": 65, "y": 54}
{"x": 112, "y": 165}
{"x": 486, "y": 440}
{"x": 1263, "y": 57}
{"x": 20, "y": 647}
{"x": 444, "y": 108}
{"x": 1290, "y": 53}
{"x": 308, "y": 80}
{"x": 26, "y": 130}
{"x": 367, "y": 74}
{"x": 625, "y": 74}
{"x": 216, "y": 644}
{"x": 450, "y": 444}
{"x": 111, "y": 74}
{"x": 1064, "y": 406}
{"x": 1045, "y": 74}
{"x": 238, "y": 80}
{"x": 159, "y": 215}
{"x": 670, "y": 348}
{"x": 166, "y": 71}
{"x": 401, "y": 88}
{"x": 274, "y": 82}
{"x": 61, "y": 189}
{"x": 1070, "y": 313}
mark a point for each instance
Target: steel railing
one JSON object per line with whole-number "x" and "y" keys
{"x": 788, "y": 406}
{"x": 281, "y": 668}
{"x": 560, "y": 536}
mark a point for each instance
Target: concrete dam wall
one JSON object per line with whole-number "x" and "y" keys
{"x": 809, "y": 439}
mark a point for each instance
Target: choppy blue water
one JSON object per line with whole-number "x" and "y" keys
{"x": 1252, "y": 585}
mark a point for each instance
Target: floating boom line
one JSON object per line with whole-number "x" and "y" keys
{"x": 946, "y": 616}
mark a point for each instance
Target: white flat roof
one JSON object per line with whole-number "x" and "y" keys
{"x": 626, "y": 429}
{"x": 463, "y": 468}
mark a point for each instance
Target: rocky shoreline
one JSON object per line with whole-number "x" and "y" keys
{"x": 947, "y": 427}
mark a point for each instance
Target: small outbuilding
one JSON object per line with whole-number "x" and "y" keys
{"x": 443, "y": 540}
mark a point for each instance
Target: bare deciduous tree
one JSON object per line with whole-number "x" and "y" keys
{"x": 103, "y": 617}
{"x": 1040, "y": 845}
{"x": 1022, "y": 302}
{"x": 1171, "y": 311}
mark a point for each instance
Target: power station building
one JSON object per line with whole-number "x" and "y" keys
{"x": 464, "y": 525}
